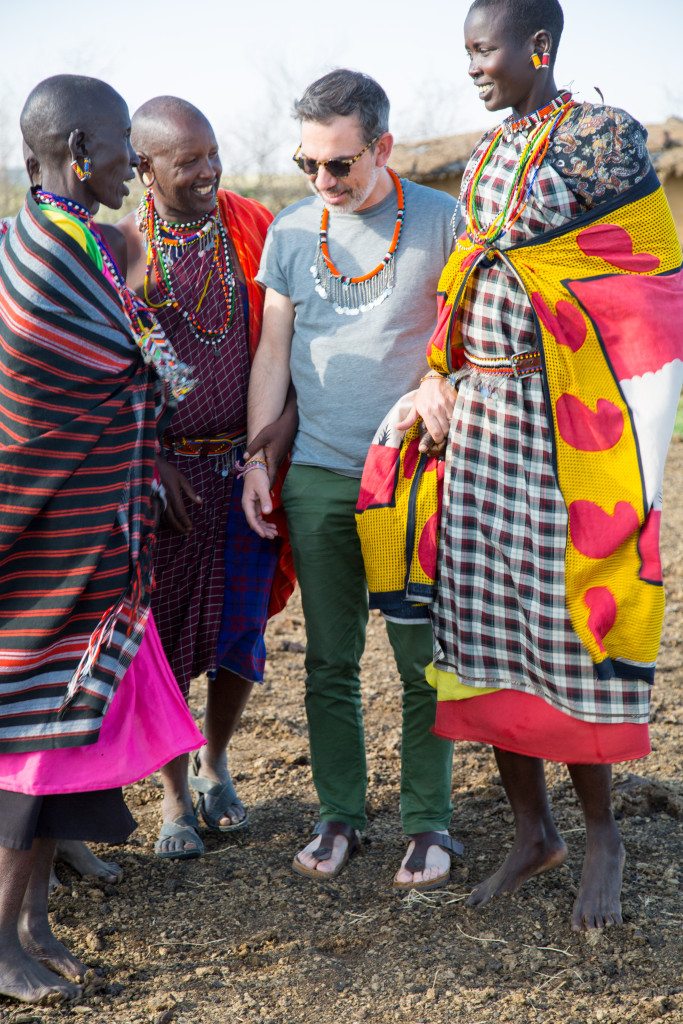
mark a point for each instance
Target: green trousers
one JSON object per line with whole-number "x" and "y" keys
{"x": 320, "y": 508}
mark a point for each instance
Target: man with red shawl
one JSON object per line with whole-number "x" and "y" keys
{"x": 193, "y": 253}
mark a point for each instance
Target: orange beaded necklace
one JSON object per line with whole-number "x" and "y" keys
{"x": 354, "y": 295}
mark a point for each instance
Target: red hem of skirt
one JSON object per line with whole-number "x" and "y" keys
{"x": 522, "y": 723}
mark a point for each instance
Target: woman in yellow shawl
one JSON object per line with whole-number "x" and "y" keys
{"x": 559, "y": 329}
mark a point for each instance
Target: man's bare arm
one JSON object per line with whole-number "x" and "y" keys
{"x": 268, "y": 386}
{"x": 270, "y": 376}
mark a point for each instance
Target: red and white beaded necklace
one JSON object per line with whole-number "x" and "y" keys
{"x": 354, "y": 295}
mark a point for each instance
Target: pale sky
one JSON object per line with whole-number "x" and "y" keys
{"x": 243, "y": 62}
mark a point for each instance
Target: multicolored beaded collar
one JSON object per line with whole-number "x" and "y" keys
{"x": 155, "y": 348}
{"x": 354, "y": 295}
{"x": 165, "y": 242}
{"x": 522, "y": 178}
{"x": 512, "y": 125}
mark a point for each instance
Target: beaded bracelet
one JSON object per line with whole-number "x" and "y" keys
{"x": 254, "y": 464}
{"x": 432, "y": 375}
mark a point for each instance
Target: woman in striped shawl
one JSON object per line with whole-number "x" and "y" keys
{"x": 87, "y": 701}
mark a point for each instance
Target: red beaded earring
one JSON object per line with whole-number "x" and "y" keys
{"x": 541, "y": 63}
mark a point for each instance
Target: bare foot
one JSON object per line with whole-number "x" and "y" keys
{"x": 84, "y": 862}
{"x": 529, "y": 856}
{"x": 324, "y": 867}
{"x": 437, "y": 864}
{"x": 598, "y": 903}
{"x": 40, "y": 943}
{"x": 24, "y": 979}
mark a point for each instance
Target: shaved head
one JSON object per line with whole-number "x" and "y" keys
{"x": 60, "y": 105}
{"x": 158, "y": 123}
{"x": 178, "y": 155}
{"x": 525, "y": 17}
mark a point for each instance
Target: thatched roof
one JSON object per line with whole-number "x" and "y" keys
{"x": 435, "y": 160}
{"x": 665, "y": 142}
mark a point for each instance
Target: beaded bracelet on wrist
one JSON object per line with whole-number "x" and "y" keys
{"x": 254, "y": 464}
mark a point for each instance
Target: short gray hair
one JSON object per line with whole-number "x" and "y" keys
{"x": 342, "y": 93}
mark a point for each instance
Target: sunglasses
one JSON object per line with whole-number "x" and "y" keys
{"x": 340, "y": 167}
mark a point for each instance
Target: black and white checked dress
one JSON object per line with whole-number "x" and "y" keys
{"x": 499, "y": 616}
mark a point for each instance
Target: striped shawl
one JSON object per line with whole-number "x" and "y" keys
{"x": 77, "y": 447}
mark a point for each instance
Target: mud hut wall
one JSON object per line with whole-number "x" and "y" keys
{"x": 674, "y": 193}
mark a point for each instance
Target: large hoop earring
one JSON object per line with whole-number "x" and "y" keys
{"x": 84, "y": 173}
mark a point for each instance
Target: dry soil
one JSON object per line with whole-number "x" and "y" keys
{"x": 237, "y": 937}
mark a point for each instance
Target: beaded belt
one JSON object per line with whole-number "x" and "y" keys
{"x": 223, "y": 444}
{"x": 522, "y": 364}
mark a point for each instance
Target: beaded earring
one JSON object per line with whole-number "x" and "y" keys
{"x": 84, "y": 173}
{"x": 540, "y": 63}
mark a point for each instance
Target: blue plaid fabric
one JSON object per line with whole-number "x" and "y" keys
{"x": 249, "y": 568}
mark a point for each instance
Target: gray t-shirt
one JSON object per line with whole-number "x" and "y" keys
{"x": 349, "y": 370}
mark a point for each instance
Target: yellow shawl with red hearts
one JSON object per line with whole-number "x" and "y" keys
{"x": 607, "y": 296}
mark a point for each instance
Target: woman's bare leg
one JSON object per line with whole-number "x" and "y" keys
{"x": 598, "y": 903}
{"x": 35, "y": 933}
{"x": 537, "y": 845}
{"x": 22, "y": 977}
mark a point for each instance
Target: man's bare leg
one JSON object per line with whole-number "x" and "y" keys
{"x": 537, "y": 845}
{"x": 35, "y": 933}
{"x": 227, "y": 697}
{"x": 177, "y": 801}
{"x": 83, "y": 861}
{"x": 21, "y": 976}
{"x": 598, "y": 903}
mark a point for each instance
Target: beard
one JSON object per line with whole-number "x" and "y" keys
{"x": 353, "y": 197}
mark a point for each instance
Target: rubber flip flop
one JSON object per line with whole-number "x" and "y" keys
{"x": 185, "y": 829}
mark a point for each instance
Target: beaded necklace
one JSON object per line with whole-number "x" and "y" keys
{"x": 545, "y": 122}
{"x": 166, "y": 242}
{"x": 154, "y": 346}
{"x": 354, "y": 295}
{"x": 538, "y": 115}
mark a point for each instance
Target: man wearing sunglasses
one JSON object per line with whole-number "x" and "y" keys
{"x": 351, "y": 275}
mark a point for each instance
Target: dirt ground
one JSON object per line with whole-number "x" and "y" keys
{"x": 237, "y": 938}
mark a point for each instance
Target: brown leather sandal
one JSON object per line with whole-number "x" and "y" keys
{"x": 418, "y": 859}
{"x": 327, "y": 830}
